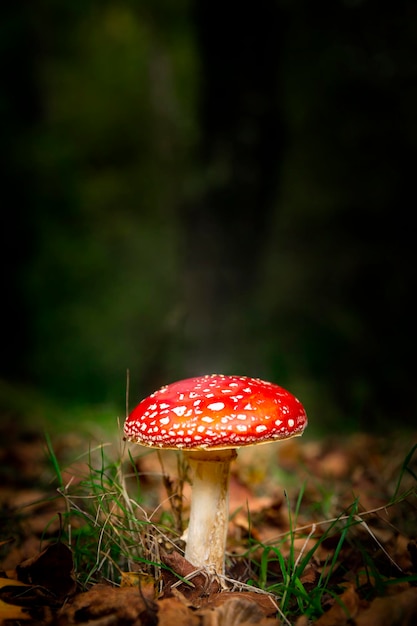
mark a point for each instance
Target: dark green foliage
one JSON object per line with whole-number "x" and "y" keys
{"x": 190, "y": 188}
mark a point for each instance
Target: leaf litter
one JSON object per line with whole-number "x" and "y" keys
{"x": 321, "y": 533}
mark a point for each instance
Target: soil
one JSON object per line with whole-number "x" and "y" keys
{"x": 344, "y": 507}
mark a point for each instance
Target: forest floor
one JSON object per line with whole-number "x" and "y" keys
{"x": 321, "y": 532}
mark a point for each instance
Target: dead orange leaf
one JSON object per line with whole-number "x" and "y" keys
{"x": 398, "y": 610}
{"x": 11, "y": 611}
{"x": 173, "y": 612}
{"x": 345, "y": 608}
{"x": 121, "y": 604}
{"x": 52, "y": 569}
{"x": 238, "y": 611}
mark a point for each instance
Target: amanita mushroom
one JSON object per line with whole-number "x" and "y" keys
{"x": 208, "y": 417}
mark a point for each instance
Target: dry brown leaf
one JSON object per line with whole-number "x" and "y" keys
{"x": 398, "y": 610}
{"x": 201, "y": 584}
{"x": 412, "y": 550}
{"x": 262, "y": 600}
{"x": 136, "y": 579}
{"x": 345, "y": 608}
{"x": 310, "y": 574}
{"x": 124, "y": 604}
{"x": 52, "y": 569}
{"x": 11, "y": 582}
{"x": 173, "y": 612}
{"x": 236, "y": 611}
{"x": 402, "y": 553}
{"x": 335, "y": 464}
{"x": 11, "y": 611}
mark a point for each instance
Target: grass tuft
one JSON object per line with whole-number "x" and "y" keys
{"x": 112, "y": 530}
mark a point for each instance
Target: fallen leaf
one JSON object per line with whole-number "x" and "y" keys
{"x": 265, "y": 602}
{"x": 121, "y": 605}
{"x": 137, "y": 579}
{"x": 310, "y": 574}
{"x": 398, "y": 610}
{"x": 345, "y": 608}
{"x": 11, "y": 611}
{"x": 200, "y": 583}
{"x": 173, "y": 612}
{"x": 52, "y": 569}
{"x": 10, "y": 582}
{"x": 238, "y": 611}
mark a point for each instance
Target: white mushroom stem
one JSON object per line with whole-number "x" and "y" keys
{"x": 209, "y": 514}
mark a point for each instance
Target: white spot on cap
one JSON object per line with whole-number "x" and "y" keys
{"x": 291, "y": 423}
{"x": 278, "y": 422}
{"x": 207, "y": 419}
{"x": 216, "y": 406}
{"x": 164, "y": 406}
{"x": 261, "y": 428}
{"x": 249, "y": 407}
{"x": 164, "y": 420}
{"x": 179, "y": 410}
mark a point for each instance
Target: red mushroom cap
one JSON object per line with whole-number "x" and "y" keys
{"x": 216, "y": 412}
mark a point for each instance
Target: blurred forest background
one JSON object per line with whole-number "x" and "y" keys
{"x": 197, "y": 187}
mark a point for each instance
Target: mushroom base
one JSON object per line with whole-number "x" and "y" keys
{"x": 209, "y": 514}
